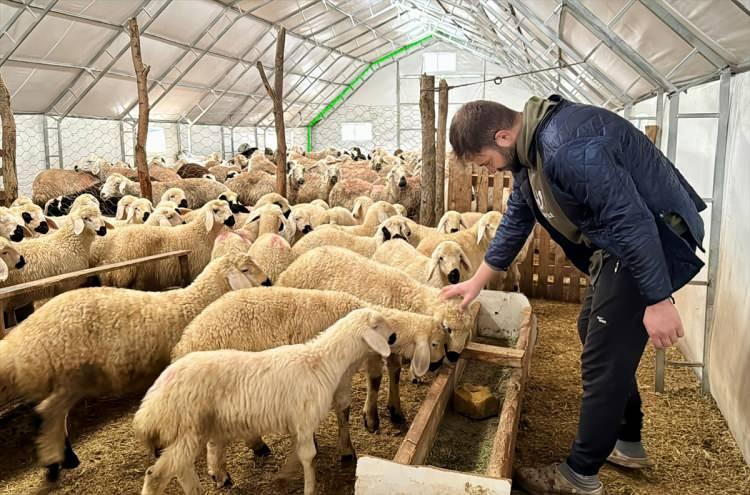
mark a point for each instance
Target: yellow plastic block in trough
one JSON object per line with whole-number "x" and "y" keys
{"x": 475, "y": 401}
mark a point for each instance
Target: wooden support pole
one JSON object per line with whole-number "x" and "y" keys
{"x": 276, "y": 94}
{"x": 8, "y": 152}
{"x": 141, "y": 74}
{"x": 427, "y": 111}
{"x": 442, "y": 130}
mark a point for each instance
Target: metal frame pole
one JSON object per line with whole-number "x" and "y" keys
{"x": 28, "y": 31}
{"x": 45, "y": 134}
{"x": 398, "y": 104}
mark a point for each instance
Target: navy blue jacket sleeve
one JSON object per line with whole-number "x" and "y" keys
{"x": 605, "y": 187}
{"x": 514, "y": 229}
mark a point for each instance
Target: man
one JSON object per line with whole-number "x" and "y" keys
{"x": 624, "y": 215}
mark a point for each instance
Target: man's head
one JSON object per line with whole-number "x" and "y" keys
{"x": 485, "y": 133}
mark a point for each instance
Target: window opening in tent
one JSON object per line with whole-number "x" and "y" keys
{"x": 438, "y": 62}
{"x": 356, "y": 131}
{"x": 157, "y": 141}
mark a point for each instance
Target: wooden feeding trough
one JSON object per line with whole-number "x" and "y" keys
{"x": 503, "y": 317}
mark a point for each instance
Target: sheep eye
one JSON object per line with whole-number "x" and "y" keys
{"x": 86, "y": 219}
{"x": 441, "y": 259}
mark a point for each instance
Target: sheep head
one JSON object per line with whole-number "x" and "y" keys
{"x": 395, "y": 227}
{"x": 166, "y": 215}
{"x": 295, "y": 174}
{"x": 176, "y": 195}
{"x": 428, "y": 352}
{"x": 114, "y": 187}
{"x": 458, "y": 325}
{"x": 487, "y": 225}
{"x": 333, "y": 172}
{"x": 451, "y": 260}
{"x": 235, "y": 205}
{"x": 451, "y": 222}
{"x": 33, "y": 217}
{"x": 217, "y": 212}
{"x": 12, "y": 226}
{"x": 9, "y": 259}
{"x": 123, "y": 206}
{"x": 278, "y": 200}
{"x": 88, "y": 217}
{"x": 139, "y": 211}
{"x": 361, "y": 205}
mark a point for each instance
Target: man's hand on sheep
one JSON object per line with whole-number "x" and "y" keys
{"x": 470, "y": 289}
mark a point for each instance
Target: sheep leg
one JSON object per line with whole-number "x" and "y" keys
{"x": 217, "y": 463}
{"x": 70, "y": 459}
{"x": 305, "y": 452}
{"x": 291, "y": 465}
{"x": 189, "y": 481}
{"x": 50, "y": 440}
{"x": 374, "y": 377}
{"x": 342, "y": 401}
{"x": 176, "y": 460}
{"x": 259, "y": 447}
{"x": 394, "y": 396}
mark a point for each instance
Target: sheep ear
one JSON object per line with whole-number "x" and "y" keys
{"x": 481, "y": 230}
{"x": 420, "y": 361}
{"x": 209, "y": 219}
{"x": 129, "y": 218}
{"x": 376, "y": 342}
{"x": 183, "y": 211}
{"x": 433, "y": 266}
{"x": 26, "y": 231}
{"x": 243, "y": 209}
{"x": 465, "y": 261}
{"x": 122, "y": 187}
{"x": 441, "y": 224}
{"x": 238, "y": 281}
{"x": 78, "y": 226}
{"x": 164, "y": 222}
{"x": 462, "y": 223}
{"x": 356, "y": 208}
{"x": 3, "y": 271}
{"x": 386, "y": 234}
{"x": 382, "y": 216}
{"x": 108, "y": 225}
{"x": 120, "y": 214}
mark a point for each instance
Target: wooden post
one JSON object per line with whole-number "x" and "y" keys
{"x": 442, "y": 128}
{"x": 427, "y": 111}
{"x": 276, "y": 94}
{"x": 141, "y": 75}
{"x": 8, "y": 152}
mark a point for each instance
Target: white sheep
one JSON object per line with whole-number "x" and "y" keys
{"x": 269, "y": 219}
{"x": 197, "y": 191}
{"x": 34, "y": 218}
{"x": 12, "y": 226}
{"x": 255, "y": 320}
{"x": 365, "y": 246}
{"x": 338, "y": 215}
{"x": 139, "y": 241}
{"x": 378, "y": 213}
{"x": 321, "y": 203}
{"x": 334, "y": 268}
{"x": 273, "y": 254}
{"x": 10, "y": 259}
{"x": 230, "y": 241}
{"x": 174, "y": 195}
{"x": 447, "y": 265}
{"x": 451, "y": 222}
{"x": 276, "y": 199}
{"x": 167, "y": 214}
{"x": 319, "y": 181}
{"x": 361, "y": 205}
{"x": 103, "y": 341}
{"x": 291, "y": 397}
{"x": 305, "y": 216}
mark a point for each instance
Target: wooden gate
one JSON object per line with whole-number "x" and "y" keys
{"x": 546, "y": 272}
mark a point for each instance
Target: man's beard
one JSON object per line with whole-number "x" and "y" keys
{"x": 510, "y": 156}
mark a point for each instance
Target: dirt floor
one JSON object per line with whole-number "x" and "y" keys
{"x": 684, "y": 431}
{"x": 113, "y": 462}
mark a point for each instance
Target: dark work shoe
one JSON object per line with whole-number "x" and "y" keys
{"x": 637, "y": 459}
{"x": 548, "y": 480}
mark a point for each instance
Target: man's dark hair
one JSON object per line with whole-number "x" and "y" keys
{"x": 474, "y": 126}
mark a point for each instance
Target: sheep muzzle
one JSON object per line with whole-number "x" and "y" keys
{"x": 434, "y": 366}
{"x": 452, "y": 356}
{"x": 453, "y": 231}
{"x": 146, "y": 215}
{"x": 183, "y": 203}
{"x": 307, "y": 229}
{"x": 17, "y": 235}
{"x": 26, "y": 216}
{"x": 229, "y": 221}
{"x": 454, "y": 276}
{"x": 392, "y": 339}
{"x": 334, "y": 179}
{"x": 267, "y": 283}
{"x": 402, "y": 182}
{"x": 21, "y": 263}
{"x": 42, "y": 228}
{"x": 102, "y": 231}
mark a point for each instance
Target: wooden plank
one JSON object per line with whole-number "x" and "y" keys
{"x": 652, "y": 132}
{"x": 421, "y": 435}
{"x": 459, "y": 184}
{"x": 504, "y": 356}
{"x": 15, "y": 290}
{"x": 184, "y": 269}
{"x": 442, "y": 129}
{"x": 483, "y": 191}
{"x": 427, "y": 112}
{"x": 379, "y": 476}
{"x": 497, "y": 192}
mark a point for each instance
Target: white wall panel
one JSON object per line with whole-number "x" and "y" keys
{"x": 30, "y": 158}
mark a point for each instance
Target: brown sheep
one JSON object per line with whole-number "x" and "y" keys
{"x": 192, "y": 171}
{"x": 346, "y": 191}
{"x": 251, "y": 185}
{"x": 54, "y": 182}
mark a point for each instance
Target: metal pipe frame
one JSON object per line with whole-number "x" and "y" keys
{"x": 717, "y": 208}
{"x": 630, "y": 56}
{"x": 29, "y": 29}
{"x": 6, "y": 29}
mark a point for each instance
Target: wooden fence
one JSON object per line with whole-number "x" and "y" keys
{"x": 546, "y": 272}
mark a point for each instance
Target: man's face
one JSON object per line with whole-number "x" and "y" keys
{"x": 495, "y": 158}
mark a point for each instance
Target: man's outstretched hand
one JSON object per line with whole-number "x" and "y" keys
{"x": 468, "y": 290}
{"x": 663, "y": 324}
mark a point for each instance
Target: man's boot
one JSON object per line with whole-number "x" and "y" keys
{"x": 557, "y": 479}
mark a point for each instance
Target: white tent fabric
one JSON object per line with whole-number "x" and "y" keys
{"x": 71, "y": 57}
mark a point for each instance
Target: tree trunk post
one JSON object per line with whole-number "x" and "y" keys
{"x": 427, "y": 111}
{"x": 141, "y": 74}
{"x": 276, "y": 94}
{"x": 8, "y": 152}
{"x": 442, "y": 124}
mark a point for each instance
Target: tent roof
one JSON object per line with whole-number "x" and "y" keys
{"x": 71, "y": 57}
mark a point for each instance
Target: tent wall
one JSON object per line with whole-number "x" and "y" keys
{"x": 30, "y": 159}
{"x": 729, "y": 359}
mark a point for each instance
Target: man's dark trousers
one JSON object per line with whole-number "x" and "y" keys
{"x": 613, "y": 336}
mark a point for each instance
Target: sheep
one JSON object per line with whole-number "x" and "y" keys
{"x": 161, "y": 173}
{"x": 473, "y": 241}
{"x": 103, "y": 169}
{"x": 273, "y": 254}
{"x": 165, "y": 215}
{"x": 238, "y": 160}
{"x": 337, "y": 215}
{"x": 192, "y": 171}
{"x": 255, "y": 320}
{"x": 63, "y": 251}
{"x": 360, "y": 207}
{"x": 174, "y": 195}
{"x": 376, "y": 214}
{"x": 252, "y": 185}
{"x": 230, "y": 242}
{"x": 400, "y": 209}
{"x": 323, "y": 204}
{"x": 260, "y": 163}
{"x": 447, "y": 265}
{"x": 268, "y": 219}
{"x": 52, "y": 183}
{"x": 404, "y": 188}
{"x": 277, "y": 199}
{"x": 357, "y": 170}
{"x": 33, "y": 218}
{"x": 305, "y": 217}
{"x": 221, "y": 172}
{"x": 346, "y": 191}
{"x": 295, "y": 179}
{"x": 10, "y": 259}
{"x": 451, "y": 222}
{"x": 139, "y": 241}
{"x": 323, "y": 154}
{"x": 229, "y": 196}
{"x": 331, "y": 268}
{"x": 103, "y": 341}
{"x": 297, "y": 388}
{"x": 139, "y": 211}
{"x": 123, "y": 205}
{"x": 365, "y": 246}
{"x": 318, "y": 186}
{"x": 470, "y": 218}
{"x": 197, "y": 191}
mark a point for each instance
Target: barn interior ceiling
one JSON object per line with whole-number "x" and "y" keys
{"x": 71, "y": 57}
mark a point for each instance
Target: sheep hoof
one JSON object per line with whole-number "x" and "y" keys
{"x": 53, "y": 473}
{"x": 70, "y": 461}
{"x": 225, "y": 482}
{"x": 371, "y": 426}
{"x": 262, "y": 451}
{"x": 349, "y": 458}
{"x": 396, "y": 417}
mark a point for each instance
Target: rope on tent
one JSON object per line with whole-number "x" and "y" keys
{"x": 499, "y": 79}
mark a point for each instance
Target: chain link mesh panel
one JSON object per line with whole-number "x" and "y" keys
{"x": 383, "y": 119}
{"x": 84, "y": 137}
{"x": 30, "y": 159}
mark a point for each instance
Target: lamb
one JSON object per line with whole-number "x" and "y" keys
{"x": 273, "y": 254}
{"x": 365, "y": 246}
{"x": 12, "y": 226}
{"x": 54, "y": 182}
{"x": 90, "y": 342}
{"x": 255, "y": 320}
{"x": 229, "y": 196}
{"x": 139, "y": 241}
{"x": 321, "y": 203}
{"x": 347, "y": 191}
{"x": 295, "y": 179}
{"x": 63, "y": 251}
{"x": 165, "y": 215}
{"x": 268, "y": 219}
{"x": 331, "y": 268}
{"x": 33, "y": 218}
{"x": 305, "y": 217}
{"x": 447, "y": 265}
{"x": 297, "y": 385}
{"x": 451, "y": 222}
{"x": 378, "y": 213}
{"x": 197, "y": 191}
{"x": 10, "y": 259}
{"x": 276, "y": 199}
{"x": 174, "y": 195}
{"x": 474, "y": 241}
{"x": 123, "y": 206}
{"x": 319, "y": 186}
{"x": 138, "y": 211}
{"x": 252, "y": 185}
{"x": 338, "y": 215}
{"x": 192, "y": 171}
{"x": 260, "y": 163}
{"x": 360, "y": 207}
{"x": 404, "y": 188}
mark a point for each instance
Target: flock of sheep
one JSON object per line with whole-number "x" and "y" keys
{"x": 314, "y": 286}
